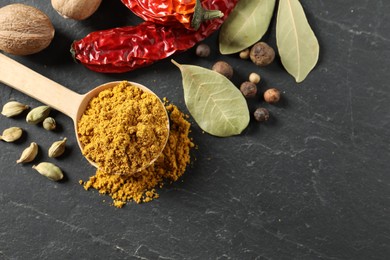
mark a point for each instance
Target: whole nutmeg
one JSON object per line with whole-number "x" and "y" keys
{"x": 203, "y": 50}
{"x": 248, "y": 89}
{"x": 76, "y": 9}
{"x": 272, "y": 95}
{"x": 262, "y": 54}
{"x": 24, "y": 29}
{"x": 223, "y": 68}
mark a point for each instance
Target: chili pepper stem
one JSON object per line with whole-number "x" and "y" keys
{"x": 73, "y": 53}
{"x": 200, "y": 15}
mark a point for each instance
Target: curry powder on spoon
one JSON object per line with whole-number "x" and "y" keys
{"x": 170, "y": 166}
{"x": 123, "y": 129}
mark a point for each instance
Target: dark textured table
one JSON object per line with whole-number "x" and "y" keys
{"x": 312, "y": 183}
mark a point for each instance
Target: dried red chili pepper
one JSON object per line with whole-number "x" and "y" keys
{"x": 127, "y": 48}
{"x": 187, "y": 13}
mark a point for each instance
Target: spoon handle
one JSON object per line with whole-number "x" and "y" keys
{"x": 33, "y": 84}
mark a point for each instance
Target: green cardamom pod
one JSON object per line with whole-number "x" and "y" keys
{"x": 29, "y": 153}
{"x": 49, "y": 170}
{"x": 57, "y": 148}
{"x": 13, "y": 108}
{"x": 49, "y": 123}
{"x": 38, "y": 114}
{"x": 11, "y": 134}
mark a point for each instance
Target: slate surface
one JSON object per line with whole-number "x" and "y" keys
{"x": 313, "y": 183}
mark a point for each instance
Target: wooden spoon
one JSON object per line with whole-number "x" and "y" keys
{"x": 57, "y": 96}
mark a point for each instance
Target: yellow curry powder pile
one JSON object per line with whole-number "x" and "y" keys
{"x": 169, "y": 167}
{"x": 123, "y": 129}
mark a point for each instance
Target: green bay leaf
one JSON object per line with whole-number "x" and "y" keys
{"x": 297, "y": 44}
{"x": 215, "y": 103}
{"x": 246, "y": 25}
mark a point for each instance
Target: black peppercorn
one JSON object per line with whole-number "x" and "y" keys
{"x": 223, "y": 68}
{"x": 248, "y": 89}
{"x": 262, "y": 54}
{"x": 261, "y": 114}
{"x": 203, "y": 50}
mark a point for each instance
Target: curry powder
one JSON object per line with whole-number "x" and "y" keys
{"x": 169, "y": 167}
{"x": 123, "y": 129}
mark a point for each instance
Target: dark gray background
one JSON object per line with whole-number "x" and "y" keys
{"x": 312, "y": 183}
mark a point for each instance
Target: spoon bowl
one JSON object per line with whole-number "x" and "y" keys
{"x": 60, "y": 98}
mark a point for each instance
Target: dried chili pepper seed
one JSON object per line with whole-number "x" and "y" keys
{"x": 203, "y": 50}
{"x": 261, "y": 114}
{"x": 223, "y": 68}
{"x": 248, "y": 89}
{"x": 272, "y": 95}
{"x": 262, "y": 54}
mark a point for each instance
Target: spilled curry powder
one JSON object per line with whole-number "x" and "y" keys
{"x": 123, "y": 129}
{"x": 169, "y": 167}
